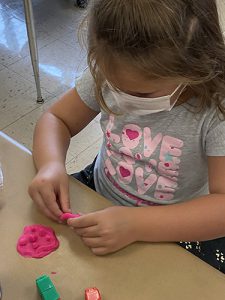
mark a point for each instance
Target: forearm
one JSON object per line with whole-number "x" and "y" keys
{"x": 200, "y": 219}
{"x": 51, "y": 141}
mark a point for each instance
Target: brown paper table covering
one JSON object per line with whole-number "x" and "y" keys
{"x": 142, "y": 271}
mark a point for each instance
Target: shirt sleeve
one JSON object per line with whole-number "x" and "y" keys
{"x": 215, "y": 138}
{"x": 85, "y": 88}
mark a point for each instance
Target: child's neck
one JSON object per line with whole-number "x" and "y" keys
{"x": 186, "y": 95}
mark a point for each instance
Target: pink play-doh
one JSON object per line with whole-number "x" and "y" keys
{"x": 67, "y": 216}
{"x": 37, "y": 241}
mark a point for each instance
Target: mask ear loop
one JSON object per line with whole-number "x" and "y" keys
{"x": 178, "y": 96}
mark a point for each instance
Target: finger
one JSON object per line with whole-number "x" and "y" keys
{"x": 49, "y": 198}
{"x": 64, "y": 198}
{"x": 83, "y": 221}
{"x": 99, "y": 251}
{"x": 88, "y": 231}
{"x": 41, "y": 205}
{"x": 94, "y": 242}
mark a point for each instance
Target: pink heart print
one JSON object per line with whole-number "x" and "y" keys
{"x": 124, "y": 172}
{"x": 132, "y": 134}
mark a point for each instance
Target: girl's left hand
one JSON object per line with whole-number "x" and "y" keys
{"x": 107, "y": 230}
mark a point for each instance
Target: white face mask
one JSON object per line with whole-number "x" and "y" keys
{"x": 144, "y": 106}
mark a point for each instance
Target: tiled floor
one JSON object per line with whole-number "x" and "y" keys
{"x": 61, "y": 61}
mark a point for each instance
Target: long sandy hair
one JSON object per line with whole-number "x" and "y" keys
{"x": 160, "y": 39}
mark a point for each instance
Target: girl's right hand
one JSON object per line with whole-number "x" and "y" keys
{"x": 50, "y": 190}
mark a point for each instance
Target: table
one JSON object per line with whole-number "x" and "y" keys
{"x": 141, "y": 271}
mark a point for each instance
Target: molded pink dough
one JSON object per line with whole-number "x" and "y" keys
{"x": 37, "y": 241}
{"x": 67, "y": 216}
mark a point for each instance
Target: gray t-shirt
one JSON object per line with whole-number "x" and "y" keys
{"x": 159, "y": 158}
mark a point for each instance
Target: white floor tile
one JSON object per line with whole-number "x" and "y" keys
{"x": 13, "y": 8}
{"x": 13, "y": 39}
{"x": 23, "y": 128}
{"x": 85, "y": 138}
{"x": 2, "y": 67}
{"x": 59, "y": 66}
{"x": 72, "y": 39}
{"x": 65, "y": 11}
{"x": 4, "y": 12}
{"x": 84, "y": 158}
{"x": 17, "y": 97}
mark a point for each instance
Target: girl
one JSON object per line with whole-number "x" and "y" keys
{"x": 157, "y": 76}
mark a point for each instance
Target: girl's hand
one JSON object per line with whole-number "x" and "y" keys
{"x": 107, "y": 230}
{"x": 50, "y": 190}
